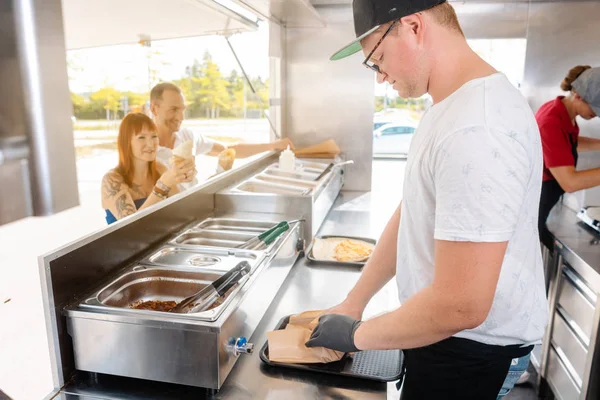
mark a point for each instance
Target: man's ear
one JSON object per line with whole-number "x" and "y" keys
{"x": 414, "y": 24}
{"x": 154, "y": 108}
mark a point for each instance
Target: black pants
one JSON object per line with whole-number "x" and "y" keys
{"x": 551, "y": 192}
{"x": 457, "y": 368}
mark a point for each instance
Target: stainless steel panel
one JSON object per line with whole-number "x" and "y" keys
{"x": 493, "y": 20}
{"x": 296, "y": 13}
{"x": 566, "y": 340}
{"x": 578, "y": 307}
{"x": 46, "y": 104}
{"x": 330, "y": 100}
{"x": 563, "y": 386}
{"x": 176, "y": 355}
{"x": 15, "y": 196}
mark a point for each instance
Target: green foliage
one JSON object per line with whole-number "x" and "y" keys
{"x": 208, "y": 93}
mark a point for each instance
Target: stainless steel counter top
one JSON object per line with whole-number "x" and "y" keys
{"x": 309, "y": 286}
{"x": 582, "y": 242}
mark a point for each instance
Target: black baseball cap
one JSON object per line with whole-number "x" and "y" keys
{"x": 371, "y": 14}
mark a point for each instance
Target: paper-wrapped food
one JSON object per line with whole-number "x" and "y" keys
{"x": 226, "y": 159}
{"x": 288, "y": 345}
{"x": 184, "y": 151}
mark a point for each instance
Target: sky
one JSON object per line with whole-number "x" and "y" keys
{"x": 125, "y": 67}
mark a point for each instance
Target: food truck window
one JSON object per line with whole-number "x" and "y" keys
{"x": 506, "y": 55}
{"x": 108, "y": 82}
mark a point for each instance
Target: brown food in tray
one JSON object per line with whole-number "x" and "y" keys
{"x": 167, "y": 306}
{"x": 154, "y": 305}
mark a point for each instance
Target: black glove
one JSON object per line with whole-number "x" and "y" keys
{"x": 335, "y": 332}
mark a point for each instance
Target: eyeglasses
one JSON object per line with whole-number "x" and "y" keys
{"x": 370, "y": 64}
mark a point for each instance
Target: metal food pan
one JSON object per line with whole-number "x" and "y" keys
{"x": 237, "y": 225}
{"x": 256, "y": 186}
{"x": 192, "y": 238}
{"x": 157, "y": 284}
{"x": 154, "y": 284}
{"x": 222, "y": 235}
{"x": 309, "y": 253}
{"x": 205, "y": 258}
{"x": 309, "y": 177}
{"x": 296, "y": 182}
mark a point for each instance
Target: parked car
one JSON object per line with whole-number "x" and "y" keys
{"x": 394, "y": 137}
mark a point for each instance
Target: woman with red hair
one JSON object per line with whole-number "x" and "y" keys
{"x": 139, "y": 181}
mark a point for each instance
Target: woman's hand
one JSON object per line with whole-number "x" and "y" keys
{"x": 180, "y": 170}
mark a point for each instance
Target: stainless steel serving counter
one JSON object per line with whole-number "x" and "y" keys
{"x": 570, "y": 357}
{"x": 308, "y": 286}
{"x": 582, "y": 240}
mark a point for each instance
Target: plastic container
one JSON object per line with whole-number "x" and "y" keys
{"x": 287, "y": 160}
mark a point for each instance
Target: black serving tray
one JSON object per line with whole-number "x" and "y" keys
{"x": 375, "y": 365}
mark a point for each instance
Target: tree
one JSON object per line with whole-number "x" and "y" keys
{"x": 213, "y": 91}
{"x": 78, "y": 102}
{"x": 108, "y": 98}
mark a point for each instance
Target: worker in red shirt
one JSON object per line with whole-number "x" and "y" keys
{"x": 561, "y": 141}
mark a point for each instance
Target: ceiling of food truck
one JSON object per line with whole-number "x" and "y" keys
{"x": 94, "y": 23}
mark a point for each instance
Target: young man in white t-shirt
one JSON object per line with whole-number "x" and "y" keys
{"x": 167, "y": 105}
{"x": 463, "y": 244}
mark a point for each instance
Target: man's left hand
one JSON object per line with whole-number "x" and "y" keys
{"x": 282, "y": 144}
{"x": 335, "y": 332}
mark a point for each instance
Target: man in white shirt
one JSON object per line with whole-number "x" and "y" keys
{"x": 167, "y": 105}
{"x": 463, "y": 244}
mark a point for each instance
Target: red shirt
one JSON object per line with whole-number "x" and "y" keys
{"x": 559, "y": 136}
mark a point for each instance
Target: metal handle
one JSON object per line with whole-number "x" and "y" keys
{"x": 343, "y": 163}
{"x": 275, "y": 234}
{"x": 580, "y": 285}
{"x": 241, "y": 346}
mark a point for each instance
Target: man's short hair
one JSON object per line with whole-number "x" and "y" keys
{"x": 445, "y": 15}
{"x": 158, "y": 90}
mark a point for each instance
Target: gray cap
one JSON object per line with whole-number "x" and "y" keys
{"x": 587, "y": 85}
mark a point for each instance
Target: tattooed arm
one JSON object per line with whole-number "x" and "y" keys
{"x": 116, "y": 197}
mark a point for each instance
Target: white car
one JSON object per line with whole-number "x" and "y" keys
{"x": 394, "y": 138}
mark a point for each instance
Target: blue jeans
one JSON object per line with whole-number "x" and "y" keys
{"x": 517, "y": 367}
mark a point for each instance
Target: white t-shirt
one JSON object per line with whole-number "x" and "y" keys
{"x": 474, "y": 173}
{"x": 202, "y": 145}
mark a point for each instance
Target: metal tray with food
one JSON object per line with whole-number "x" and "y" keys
{"x": 341, "y": 250}
{"x": 376, "y": 365}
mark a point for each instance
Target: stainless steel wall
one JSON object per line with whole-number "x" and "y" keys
{"x": 559, "y": 37}
{"x": 37, "y": 155}
{"x": 325, "y": 99}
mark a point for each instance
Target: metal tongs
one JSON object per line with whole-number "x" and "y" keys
{"x": 266, "y": 238}
{"x": 205, "y": 297}
{"x": 332, "y": 166}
